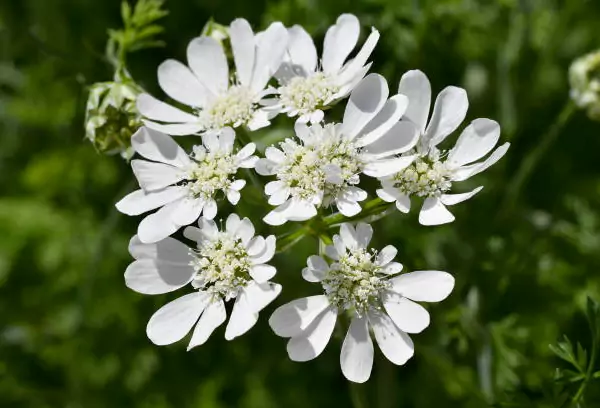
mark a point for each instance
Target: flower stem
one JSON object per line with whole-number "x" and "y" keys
{"x": 532, "y": 160}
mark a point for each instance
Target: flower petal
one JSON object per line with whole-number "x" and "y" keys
{"x": 214, "y": 315}
{"x": 154, "y": 109}
{"x": 267, "y": 252}
{"x": 415, "y": 85}
{"x": 154, "y": 176}
{"x": 139, "y": 201}
{"x": 385, "y": 119}
{"x": 348, "y": 235}
{"x": 395, "y": 345}
{"x": 175, "y": 319}
{"x": 356, "y": 358}
{"x": 402, "y": 137}
{"x": 301, "y": 49}
{"x": 157, "y": 276}
{"x": 159, "y": 225}
{"x": 434, "y": 212}
{"x": 339, "y": 42}
{"x": 271, "y": 47}
{"x": 449, "y": 111}
{"x": 176, "y": 129}
{"x": 424, "y": 286}
{"x": 243, "y": 47}
{"x": 316, "y": 270}
{"x": 477, "y": 140}
{"x": 409, "y": 316}
{"x": 364, "y": 233}
{"x": 168, "y": 249}
{"x": 466, "y": 172}
{"x": 159, "y": 147}
{"x": 180, "y": 84}
{"x": 210, "y": 209}
{"x": 262, "y": 272}
{"x": 452, "y": 199}
{"x": 387, "y": 167}
{"x": 386, "y": 255}
{"x": 311, "y": 343}
{"x": 242, "y": 318}
{"x": 294, "y": 317}
{"x": 365, "y": 102}
{"x": 260, "y": 295}
{"x": 207, "y": 60}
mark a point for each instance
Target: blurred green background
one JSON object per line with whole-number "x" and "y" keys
{"x": 525, "y": 256}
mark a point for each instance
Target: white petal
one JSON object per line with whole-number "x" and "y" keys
{"x": 392, "y": 268}
{"x": 262, "y": 273}
{"x": 301, "y": 49}
{"x": 260, "y": 295}
{"x": 395, "y": 345}
{"x": 356, "y": 67}
{"x": 232, "y": 223}
{"x": 159, "y": 225}
{"x": 366, "y": 100}
{"x": 154, "y": 109}
{"x": 214, "y": 315}
{"x": 293, "y": 318}
{"x": 188, "y": 211}
{"x": 340, "y": 40}
{"x": 452, "y": 199}
{"x": 387, "y": 117}
{"x": 208, "y": 227}
{"x": 168, "y": 249}
{"x": 300, "y": 211}
{"x": 210, "y": 209}
{"x": 387, "y": 167}
{"x": 434, "y": 212}
{"x": 154, "y": 176}
{"x": 386, "y": 255}
{"x": 246, "y": 151}
{"x": 243, "y": 47}
{"x": 449, "y": 111}
{"x": 271, "y": 47}
{"x": 364, "y": 233}
{"x": 403, "y": 203}
{"x": 415, "y": 85}
{"x": 256, "y": 246}
{"x": 275, "y": 155}
{"x": 267, "y": 253}
{"x": 175, "y": 319}
{"x": 242, "y": 318}
{"x": 347, "y": 204}
{"x": 311, "y": 343}
{"x": 139, "y": 201}
{"x": 348, "y": 235}
{"x": 424, "y": 286}
{"x": 180, "y": 84}
{"x": 226, "y": 139}
{"x": 402, "y": 137}
{"x": 176, "y": 129}
{"x": 409, "y": 316}
{"x": 237, "y": 185}
{"x": 245, "y": 231}
{"x": 159, "y": 147}
{"x": 157, "y": 276}
{"x": 316, "y": 270}
{"x": 356, "y": 358}
{"x": 233, "y": 196}
{"x": 477, "y": 140}
{"x": 207, "y": 60}
{"x": 465, "y": 172}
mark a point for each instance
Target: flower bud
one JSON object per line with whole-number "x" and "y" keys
{"x": 111, "y": 116}
{"x": 584, "y": 75}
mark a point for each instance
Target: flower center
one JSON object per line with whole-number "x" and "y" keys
{"x": 221, "y": 266}
{"x": 354, "y": 282}
{"x": 306, "y": 94}
{"x": 425, "y": 177}
{"x": 304, "y": 169}
{"x": 234, "y": 108}
{"x": 211, "y": 171}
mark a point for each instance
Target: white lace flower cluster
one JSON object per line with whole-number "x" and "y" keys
{"x": 323, "y": 165}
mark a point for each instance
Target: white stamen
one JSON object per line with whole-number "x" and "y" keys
{"x": 425, "y": 177}
{"x": 307, "y": 94}
{"x": 222, "y": 266}
{"x": 354, "y": 282}
{"x": 234, "y": 108}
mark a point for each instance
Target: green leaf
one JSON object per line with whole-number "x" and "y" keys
{"x": 125, "y": 12}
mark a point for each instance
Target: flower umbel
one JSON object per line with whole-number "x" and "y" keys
{"x": 584, "y": 76}
{"x": 366, "y": 286}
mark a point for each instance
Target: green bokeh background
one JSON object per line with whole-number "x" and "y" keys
{"x": 71, "y": 333}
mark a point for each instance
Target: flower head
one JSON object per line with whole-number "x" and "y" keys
{"x": 215, "y": 101}
{"x": 366, "y": 286}
{"x": 182, "y": 186}
{"x": 433, "y": 172}
{"x": 584, "y": 75}
{"x": 307, "y": 87}
{"x": 322, "y": 166}
{"x": 225, "y": 265}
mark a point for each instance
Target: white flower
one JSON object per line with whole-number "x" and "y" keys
{"x": 226, "y": 265}
{"x": 323, "y": 166}
{"x": 206, "y": 88}
{"x": 182, "y": 186}
{"x": 432, "y": 174}
{"x": 362, "y": 285}
{"x": 307, "y": 87}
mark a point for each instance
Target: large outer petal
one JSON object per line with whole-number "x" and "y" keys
{"x": 477, "y": 140}
{"x": 365, "y": 102}
{"x": 214, "y": 315}
{"x": 356, "y": 358}
{"x": 181, "y": 84}
{"x": 415, "y": 85}
{"x": 175, "y": 319}
{"x": 434, "y": 212}
{"x": 157, "y": 146}
{"x": 292, "y": 318}
{"x": 302, "y": 50}
{"x": 449, "y": 111}
{"x": 139, "y": 201}
{"x": 243, "y": 44}
{"x": 270, "y": 51}
{"x": 311, "y": 343}
{"x": 423, "y": 286}
{"x": 157, "y": 276}
{"x": 208, "y": 62}
{"x": 339, "y": 42}
{"x": 395, "y": 345}
{"x": 154, "y": 176}
{"x": 154, "y": 109}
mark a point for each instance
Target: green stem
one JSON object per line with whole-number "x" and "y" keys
{"x": 374, "y": 206}
{"x": 532, "y": 160}
{"x": 588, "y": 376}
